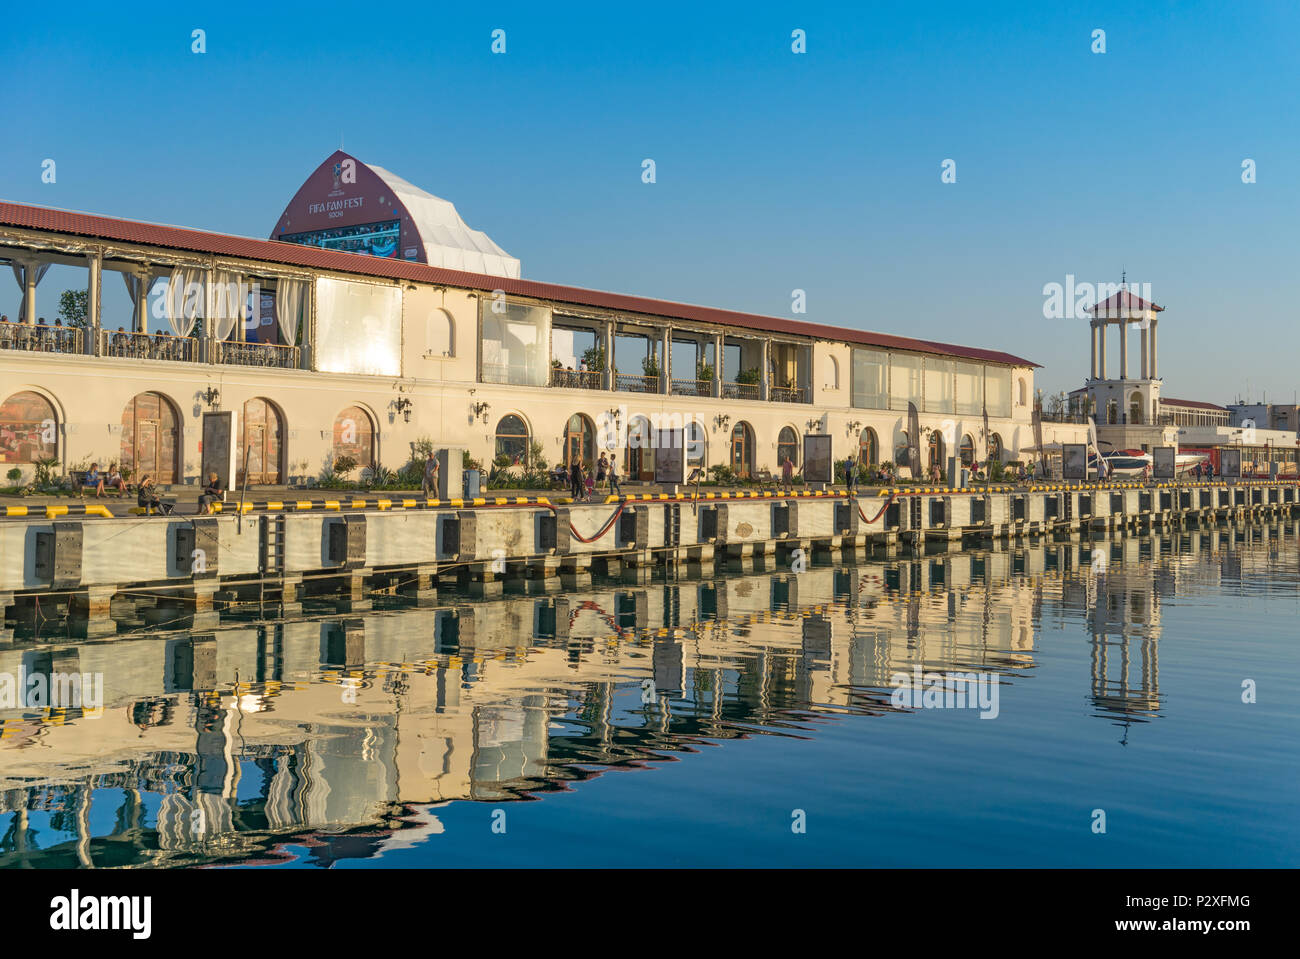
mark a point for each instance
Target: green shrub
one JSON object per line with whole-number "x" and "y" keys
{"x": 14, "y": 475}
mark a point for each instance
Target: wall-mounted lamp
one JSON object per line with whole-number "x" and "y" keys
{"x": 211, "y": 397}
{"x": 403, "y": 405}
{"x": 722, "y": 421}
{"x": 480, "y": 409}
{"x": 853, "y": 426}
{"x": 814, "y": 425}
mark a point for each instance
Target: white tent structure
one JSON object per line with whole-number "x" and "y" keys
{"x": 448, "y": 240}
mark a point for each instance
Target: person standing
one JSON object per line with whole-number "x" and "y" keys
{"x": 575, "y": 480}
{"x": 851, "y": 473}
{"x": 787, "y": 475}
{"x": 602, "y": 468}
{"x": 611, "y": 472}
{"x": 432, "y": 469}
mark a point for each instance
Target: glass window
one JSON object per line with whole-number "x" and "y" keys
{"x": 938, "y": 385}
{"x": 358, "y": 328}
{"x": 904, "y": 380}
{"x": 787, "y": 444}
{"x": 512, "y": 439}
{"x": 997, "y": 390}
{"x": 870, "y": 379}
{"x": 969, "y": 387}
{"x": 515, "y": 343}
{"x": 27, "y": 429}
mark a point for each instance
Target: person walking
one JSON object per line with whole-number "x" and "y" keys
{"x": 575, "y": 480}
{"x": 787, "y": 475}
{"x": 432, "y": 469}
{"x": 611, "y": 473}
{"x": 602, "y": 468}
{"x": 851, "y": 473}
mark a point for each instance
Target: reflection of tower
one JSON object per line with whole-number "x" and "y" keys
{"x": 1125, "y": 646}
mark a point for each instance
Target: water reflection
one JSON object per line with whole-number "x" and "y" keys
{"x": 327, "y": 737}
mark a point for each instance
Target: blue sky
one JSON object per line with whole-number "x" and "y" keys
{"x": 775, "y": 171}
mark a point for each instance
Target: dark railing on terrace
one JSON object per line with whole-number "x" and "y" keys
{"x": 1064, "y": 416}
{"x": 633, "y": 383}
{"x": 577, "y": 379}
{"x": 40, "y": 339}
{"x": 789, "y": 394}
{"x": 257, "y": 354}
{"x": 741, "y": 391}
{"x": 143, "y": 346}
{"x": 692, "y": 388}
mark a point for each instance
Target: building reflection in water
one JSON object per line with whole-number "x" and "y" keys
{"x": 329, "y": 738}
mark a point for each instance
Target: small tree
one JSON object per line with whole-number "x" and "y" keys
{"x": 650, "y": 365}
{"x": 344, "y": 465}
{"x": 594, "y": 357}
{"x": 73, "y": 307}
{"x": 704, "y": 371}
{"x": 749, "y": 377}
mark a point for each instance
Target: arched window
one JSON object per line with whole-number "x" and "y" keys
{"x": 579, "y": 441}
{"x": 28, "y": 429}
{"x": 995, "y": 448}
{"x": 787, "y": 444}
{"x": 697, "y": 446}
{"x": 1135, "y": 408}
{"x": 354, "y": 437}
{"x": 832, "y": 373}
{"x": 151, "y": 439}
{"x": 513, "y": 439}
{"x": 967, "y": 450}
{"x": 902, "y": 450}
{"x": 262, "y": 440}
{"x": 868, "y": 448}
{"x": 742, "y": 449}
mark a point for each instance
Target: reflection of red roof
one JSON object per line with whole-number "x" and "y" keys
{"x": 1193, "y": 404}
{"x": 271, "y": 251}
{"x": 1123, "y": 301}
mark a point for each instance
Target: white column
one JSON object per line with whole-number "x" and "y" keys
{"x": 1092, "y": 341}
{"x": 1146, "y": 353}
{"x": 29, "y": 292}
{"x": 1101, "y": 350}
{"x": 141, "y": 318}
{"x": 607, "y": 374}
{"x": 665, "y": 371}
{"x": 1155, "y": 374}
{"x": 1123, "y": 349}
{"x": 717, "y": 364}
{"x": 94, "y": 284}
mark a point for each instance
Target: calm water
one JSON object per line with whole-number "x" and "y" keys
{"x": 700, "y": 722}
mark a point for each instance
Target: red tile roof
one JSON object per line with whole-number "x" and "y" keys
{"x": 1123, "y": 301}
{"x": 1192, "y": 404}
{"x": 292, "y": 254}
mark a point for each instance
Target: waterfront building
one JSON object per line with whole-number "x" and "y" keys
{"x": 376, "y": 318}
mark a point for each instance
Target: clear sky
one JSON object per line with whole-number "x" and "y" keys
{"x": 775, "y": 171}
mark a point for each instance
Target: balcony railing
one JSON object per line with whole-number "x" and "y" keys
{"x": 143, "y": 346}
{"x": 577, "y": 379}
{"x": 258, "y": 354}
{"x": 40, "y": 339}
{"x": 692, "y": 387}
{"x": 789, "y": 394}
{"x": 632, "y": 383}
{"x": 741, "y": 391}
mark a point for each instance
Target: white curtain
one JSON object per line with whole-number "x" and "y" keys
{"x": 20, "y": 275}
{"x": 136, "y": 287}
{"x": 228, "y": 302}
{"x": 185, "y": 299}
{"x": 289, "y": 296}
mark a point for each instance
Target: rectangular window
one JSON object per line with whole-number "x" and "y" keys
{"x": 904, "y": 381}
{"x": 870, "y": 380}
{"x": 997, "y": 390}
{"x": 358, "y": 328}
{"x": 516, "y": 347}
{"x": 970, "y": 388}
{"x": 938, "y": 385}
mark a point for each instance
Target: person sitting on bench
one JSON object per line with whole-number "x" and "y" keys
{"x": 212, "y": 493}
{"x": 148, "y": 500}
{"x": 115, "y": 480}
{"x": 94, "y": 479}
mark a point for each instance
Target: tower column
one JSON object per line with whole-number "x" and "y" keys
{"x": 1092, "y": 340}
{"x": 1123, "y": 349}
{"x": 1146, "y": 353}
{"x": 1154, "y": 368}
{"x": 1101, "y": 350}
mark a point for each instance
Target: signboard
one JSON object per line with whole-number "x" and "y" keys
{"x": 1074, "y": 461}
{"x": 817, "y": 465}
{"x": 1230, "y": 463}
{"x": 1164, "y": 462}
{"x": 670, "y": 458}
{"x": 218, "y": 448}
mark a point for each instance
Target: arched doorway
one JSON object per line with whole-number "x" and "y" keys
{"x": 261, "y": 438}
{"x": 151, "y": 438}
{"x": 512, "y": 440}
{"x": 639, "y": 464}
{"x": 967, "y": 453}
{"x": 995, "y": 448}
{"x": 1135, "y": 408}
{"x": 28, "y": 429}
{"x": 697, "y": 446}
{"x": 742, "y": 449}
{"x": 868, "y": 447}
{"x": 937, "y": 450}
{"x": 354, "y": 437}
{"x": 579, "y": 441}
{"x": 787, "y": 444}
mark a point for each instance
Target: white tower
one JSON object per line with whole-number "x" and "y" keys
{"x": 1131, "y": 401}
